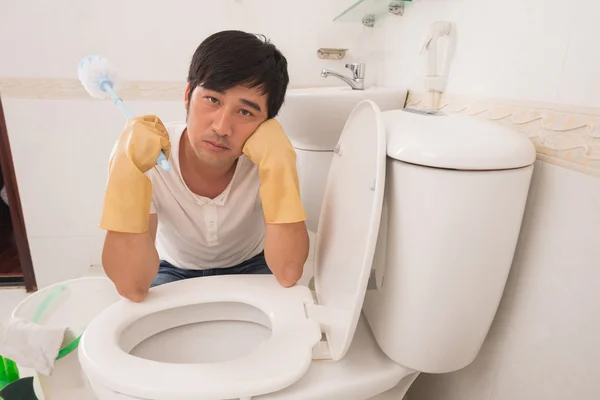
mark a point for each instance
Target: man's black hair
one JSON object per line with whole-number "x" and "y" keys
{"x": 230, "y": 58}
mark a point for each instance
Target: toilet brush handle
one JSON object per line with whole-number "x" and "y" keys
{"x": 107, "y": 87}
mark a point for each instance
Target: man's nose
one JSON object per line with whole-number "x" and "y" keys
{"x": 222, "y": 122}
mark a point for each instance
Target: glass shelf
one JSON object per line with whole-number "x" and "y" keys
{"x": 370, "y": 11}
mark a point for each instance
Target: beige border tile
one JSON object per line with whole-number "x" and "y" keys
{"x": 45, "y": 88}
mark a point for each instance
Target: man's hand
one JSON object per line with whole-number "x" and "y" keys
{"x": 129, "y": 191}
{"x": 286, "y": 250}
{"x": 270, "y": 149}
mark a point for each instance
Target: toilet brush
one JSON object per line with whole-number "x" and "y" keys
{"x": 98, "y": 78}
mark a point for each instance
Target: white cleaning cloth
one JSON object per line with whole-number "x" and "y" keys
{"x": 31, "y": 345}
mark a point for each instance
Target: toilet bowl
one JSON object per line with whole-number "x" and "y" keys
{"x": 378, "y": 316}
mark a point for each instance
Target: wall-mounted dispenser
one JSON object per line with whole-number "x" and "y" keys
{"x": 436, "y": 75}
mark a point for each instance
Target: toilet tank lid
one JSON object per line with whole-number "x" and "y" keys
{"x": 455, "y": 142}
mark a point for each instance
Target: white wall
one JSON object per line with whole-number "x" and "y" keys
{"x": 544, "y": 341}
{"x": 61, "y": 138}
{"x": 155, "y": 40}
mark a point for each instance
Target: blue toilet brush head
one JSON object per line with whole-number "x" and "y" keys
{"x": 99, "y": 80}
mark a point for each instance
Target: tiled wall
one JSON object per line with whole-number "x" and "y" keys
{"x": 543, "y": 343}
{"x": 531, "y": 65}
{"x": 533, "y": 50}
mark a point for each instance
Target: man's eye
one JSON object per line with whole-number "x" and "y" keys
{"x": 212, "y": 99}
{"x": 246, "y": 113}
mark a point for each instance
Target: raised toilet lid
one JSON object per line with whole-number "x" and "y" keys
{"x": 349, "y": 223}
{"x": 275, "y": 364}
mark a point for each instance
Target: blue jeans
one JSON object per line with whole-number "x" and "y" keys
{"x": 170, "y": 273}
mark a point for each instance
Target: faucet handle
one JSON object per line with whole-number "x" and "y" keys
{"x": 358, "y": 70}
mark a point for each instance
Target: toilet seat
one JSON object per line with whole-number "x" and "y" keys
{"x": 281, "y": 360}
{"x": 343, "y": 262}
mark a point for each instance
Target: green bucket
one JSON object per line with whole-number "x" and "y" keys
{"x": 9, "y": 372}
{"x": 74, "y": 304}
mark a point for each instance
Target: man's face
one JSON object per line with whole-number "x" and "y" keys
{"x": 219, "y": 124}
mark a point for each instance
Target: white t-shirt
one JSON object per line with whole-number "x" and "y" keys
{"x": 196, "y": 232}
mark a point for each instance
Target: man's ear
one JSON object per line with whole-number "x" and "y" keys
{"x": 186, "y": 96}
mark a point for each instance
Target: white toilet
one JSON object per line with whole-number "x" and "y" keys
{"x": 417, "y": 230}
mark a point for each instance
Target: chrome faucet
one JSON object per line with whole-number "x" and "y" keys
{"x": 356, "y": 82}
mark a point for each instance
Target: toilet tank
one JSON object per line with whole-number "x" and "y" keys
{"x": 456, "y": 189}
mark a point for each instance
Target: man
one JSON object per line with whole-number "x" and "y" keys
{"x": 230, "y": 203}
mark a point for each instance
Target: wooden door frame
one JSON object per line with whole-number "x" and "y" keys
{"x": 16, "y": 211}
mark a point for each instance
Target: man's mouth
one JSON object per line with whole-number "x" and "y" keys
{"x": 216, "y": 146}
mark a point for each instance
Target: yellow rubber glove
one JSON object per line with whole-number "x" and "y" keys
{"x": 271, "y": 150}
{"x": 128, "y": 191}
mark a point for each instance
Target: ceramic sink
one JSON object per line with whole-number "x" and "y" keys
{"x": 313, "y": 118}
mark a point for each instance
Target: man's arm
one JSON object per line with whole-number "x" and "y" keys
{"x": 131, "y": 261}
{"x": 286, "y": 239}
{"x": 286, "y": 251}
